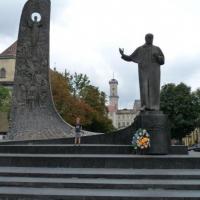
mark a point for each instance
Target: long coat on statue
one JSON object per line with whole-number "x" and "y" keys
{"x": 149, "y": 59}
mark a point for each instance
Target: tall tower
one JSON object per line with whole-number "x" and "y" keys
{"x": 113, "y": 94}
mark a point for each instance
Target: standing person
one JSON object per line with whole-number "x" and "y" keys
{"x": 78, "y": 129}
{"x": 149, "y": 59}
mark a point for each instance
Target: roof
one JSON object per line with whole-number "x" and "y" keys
{"x": 126, "y": 111}
{"x": 113, "y": 81}
{"x": 10, "y": 52}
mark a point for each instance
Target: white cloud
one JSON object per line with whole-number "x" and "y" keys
{"x": 86, "y": 35}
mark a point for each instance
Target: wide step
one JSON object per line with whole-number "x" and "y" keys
{"x": 92, "y": 172}
{"x": 13, "y": 193}
{"x": 100, "y": 183}
{"x": 101, "y": 161}
{"x": 112, "y": 173}
{"x": 67, "y": 149}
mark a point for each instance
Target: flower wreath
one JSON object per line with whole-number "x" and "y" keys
{"x": 141, "y": 139}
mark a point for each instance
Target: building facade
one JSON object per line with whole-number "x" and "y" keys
{"x": 121, "y": 118}
{"x": 7, "y": 66}
{"x": 192, "y": 138}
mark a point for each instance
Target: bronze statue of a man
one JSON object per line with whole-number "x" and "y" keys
{"x": 149, "y": 59}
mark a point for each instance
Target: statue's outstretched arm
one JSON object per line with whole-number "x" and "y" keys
{"x": 124, "y": 56}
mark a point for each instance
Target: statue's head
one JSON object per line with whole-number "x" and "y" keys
{"x": 149, "y": 38}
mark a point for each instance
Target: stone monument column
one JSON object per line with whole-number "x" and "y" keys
{"x": 33, "y": 115}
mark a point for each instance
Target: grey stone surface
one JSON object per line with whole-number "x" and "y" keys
{"x": 33, "y": 115}
{"x": 84, "y": 148}
{"x": 101, "y": 172}
{"x": 97, "y": 194}
{"x": 149, "y": 59}
{"x": 101, "y": 161}
{"x": 101, "y": 183}
{"x": 64, "y": 149}
{"x": 157, "y": 125}
{"x": 178, "y": 149}
{"x": 98, "y": 176}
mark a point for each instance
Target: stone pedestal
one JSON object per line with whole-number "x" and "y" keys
{"x": 157, "y": 125}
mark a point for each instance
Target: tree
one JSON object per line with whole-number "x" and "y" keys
{"x": 75, "y": 97}
{"x": 97, "y": 100}
{"x": 197, "y": 102}
{"x": 181, "y": 106}
{"x": 67, "y": 105}
{"x": 5, "y": 99}
{"x": 93, "y": 97}
{"x": 77, "y": 82}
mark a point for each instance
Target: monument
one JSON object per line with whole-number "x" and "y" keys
{"x": 149, "y": 59}
{"x": 33, "y": 115}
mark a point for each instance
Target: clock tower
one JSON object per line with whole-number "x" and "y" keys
{"x": 113, "y": 98}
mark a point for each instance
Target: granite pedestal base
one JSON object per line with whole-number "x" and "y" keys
{"x": 157, "y": 125}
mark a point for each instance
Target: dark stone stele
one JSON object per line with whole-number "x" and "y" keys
{"x": 33, "y": 115}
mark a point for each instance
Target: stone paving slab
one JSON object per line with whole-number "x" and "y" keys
{"x": 49, "y": 170}
{"x": 67, "y": 145}
{"x": 101, "y": 161}
{"x": 66, "y": 149}
{"x": 99, "y": 181}
{"x": 114, "y": 173}
{"x": 105, "y": 193}
{"x": 101, "y": 156}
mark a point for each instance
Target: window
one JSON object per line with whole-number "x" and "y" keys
{"x": 119, "y": 125}
{"x": 2, "y": 73}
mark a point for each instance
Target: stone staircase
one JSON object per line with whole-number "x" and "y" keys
{"x": 95, "y": 172}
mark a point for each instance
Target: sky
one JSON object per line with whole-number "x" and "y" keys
{"x": 86, "y": 35}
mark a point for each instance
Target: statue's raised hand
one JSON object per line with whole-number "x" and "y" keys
{"x": 121, "y": 51}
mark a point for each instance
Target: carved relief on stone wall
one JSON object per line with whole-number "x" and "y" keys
{"x": 31, "y": 97}
{"x": 43, "y": 94}
{"x": 22, "y": 95}
{"x": 35, "y": 22}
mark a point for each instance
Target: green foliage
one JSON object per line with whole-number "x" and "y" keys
{"x": 93, "y": 97}
{"x": 74, "y": 96}
{"x": 196, "y": 95}
{"x": 96, "y": 100}
{"x": 5, "y": 99}
{"x": 100, "y": 123}
{"x": 77, "y": 82}
{"x": 182, "y": 107}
